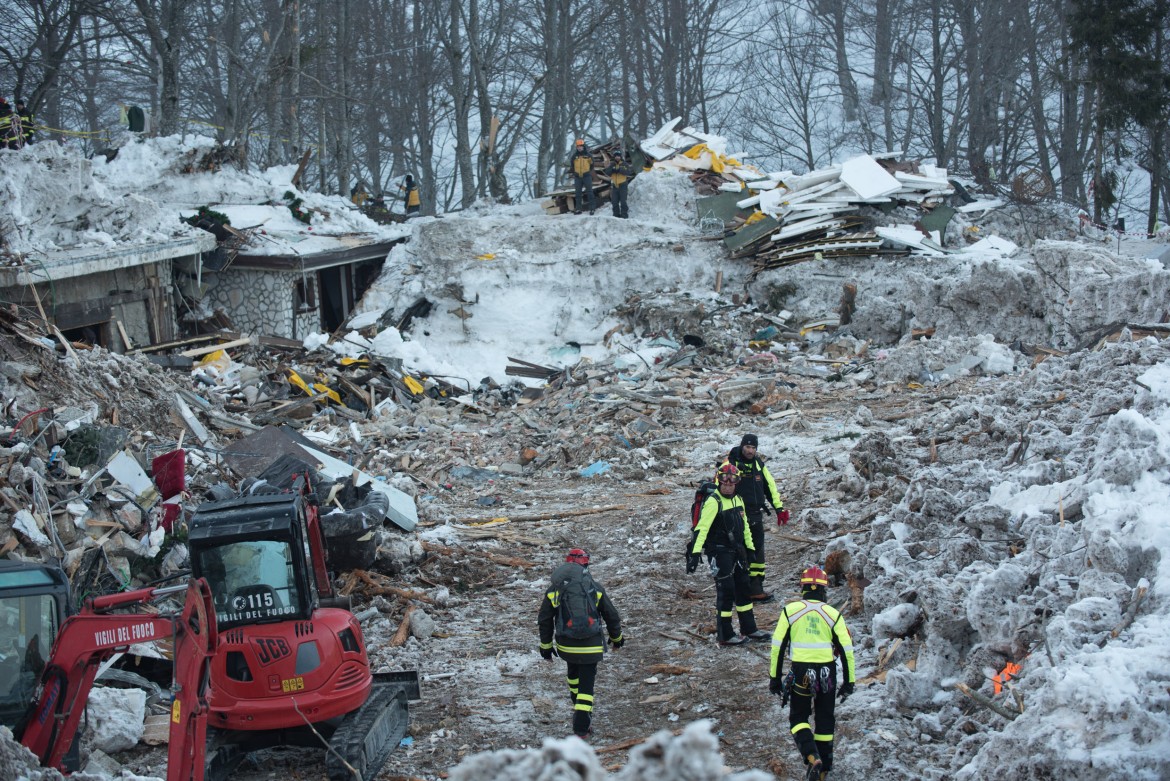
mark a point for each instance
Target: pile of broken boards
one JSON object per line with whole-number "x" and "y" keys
{"x": 564, "y": 201}
{"x": 781, "y": 218}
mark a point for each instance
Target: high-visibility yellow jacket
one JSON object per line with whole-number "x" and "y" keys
{"x": 722, "y": 524}
{"x": 582, "y": 162}
{"x": 619, "y": 173}
{"x": 817, "y": 633}
{"x": 756, "y": 484}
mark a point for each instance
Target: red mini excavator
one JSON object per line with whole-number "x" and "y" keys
{"x": 283, "y": 662}
{"x": 94, "y": 635}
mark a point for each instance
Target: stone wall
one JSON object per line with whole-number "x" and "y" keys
{"x": 264, "y": 302}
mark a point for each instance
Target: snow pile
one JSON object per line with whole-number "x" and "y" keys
{"x": 58, "y": 199}
{"x": 693, "y": 755}
{"x": 1028, "y": 543}
{"x": 116, "y": 718}
{"x": 522, "y": 283}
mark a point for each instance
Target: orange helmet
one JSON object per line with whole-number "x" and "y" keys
{"x": 578, "y": 556}
{"x": 580, "y": 142}
{"x": 814, "y": 576}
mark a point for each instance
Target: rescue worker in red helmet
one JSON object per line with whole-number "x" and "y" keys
{"x": 581, "y": 650}
{"x": 723, "y": 534}
{"x": 817, "y": 635}
{"x": 756, "y": 486}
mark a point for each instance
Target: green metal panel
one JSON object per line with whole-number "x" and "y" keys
{"x": 937, "y": 219}
{"x": 749, "y": 233}
{"x": 722, "y": 206}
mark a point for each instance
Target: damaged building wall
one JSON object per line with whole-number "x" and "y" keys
{"x": 276, "y": 303}
{"x": 90, "y": 307}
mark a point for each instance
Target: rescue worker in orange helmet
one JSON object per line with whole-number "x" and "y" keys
{"x": 723, "y": 534}
{"x": 581, "y": 166}
{"x": 817, "y": 635}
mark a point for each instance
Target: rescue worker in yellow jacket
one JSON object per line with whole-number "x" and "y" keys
{"x": 619, "y": 172}
{"x": 817, "y": 635}
{"x": 570, "y": 620}
{"x": 756, "y": 486}
{"x": 581, "y": 166}
{"x": 723, "y": 534}
{"x": 410, "y": 198}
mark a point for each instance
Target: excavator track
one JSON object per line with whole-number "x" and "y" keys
{"x": 366, "y": 737}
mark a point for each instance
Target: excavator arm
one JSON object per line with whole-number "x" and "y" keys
{"x": 93, "y": 636}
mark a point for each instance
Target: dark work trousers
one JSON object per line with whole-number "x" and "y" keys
{"x": 581, "y": 678}
{"x": 756, "y": 564}
{"x": 731, "y": 594}
{"x": 813, "y": 689}
{"x": 583, "y": 191}
{"x": 617, "y": 197}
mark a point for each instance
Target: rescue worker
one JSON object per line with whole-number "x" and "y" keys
{"x": 26, "y": 121}
{"x": 581, "y": 164}
{"x": 723, "y": 534}
{"x": 817, "y": 635}
{"x": 9, "y": 135}
{"x": 581, "y": 654}
{"x": 756, "y": 487}
{"x": 619, "y": 172}
{"x": 410, "y": 198}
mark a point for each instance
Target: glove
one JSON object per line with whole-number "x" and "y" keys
{"x": 846, "y": 690}
{"x": 617, "y": 642}
{"x": 781, "y": 517}
{"x": 548, "y": 653}
{"x": 693, "y": 561}
{"x": 776, "y": 686}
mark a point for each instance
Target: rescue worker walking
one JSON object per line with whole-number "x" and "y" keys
{"x": 817, "y": 635}
{"x": 581, "y": 164}
{"x": 410, "y": 198}
{"x": 756, "y": 486}
{"x": 723, "y": 534}
{"x": 619, "y": 172}
{"x": 570, "y": 621}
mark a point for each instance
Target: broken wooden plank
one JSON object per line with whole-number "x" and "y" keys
{"x": 197, "y": 351}
{"x": 548, "y": 516}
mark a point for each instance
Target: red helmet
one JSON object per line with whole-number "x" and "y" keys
{"x": 814, "y": 576}
{"x": 727, "y": 472}
{"x": 578, "y": 556}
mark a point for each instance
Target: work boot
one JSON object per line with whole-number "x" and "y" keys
{"x": 762, "y": 598}
{"x": 816, "y": 770}
{"x": 733, "y": 640}
{"x": 759, "y": 635}
{"x": 576, "y": 211}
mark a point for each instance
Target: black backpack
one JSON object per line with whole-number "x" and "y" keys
{"x": 577, "y": 615}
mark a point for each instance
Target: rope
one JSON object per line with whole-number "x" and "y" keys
{"x": 1087, "y": 222}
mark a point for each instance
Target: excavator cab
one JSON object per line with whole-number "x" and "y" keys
{"x": 34, "y": 602}
{"x": 252, "y": 553}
